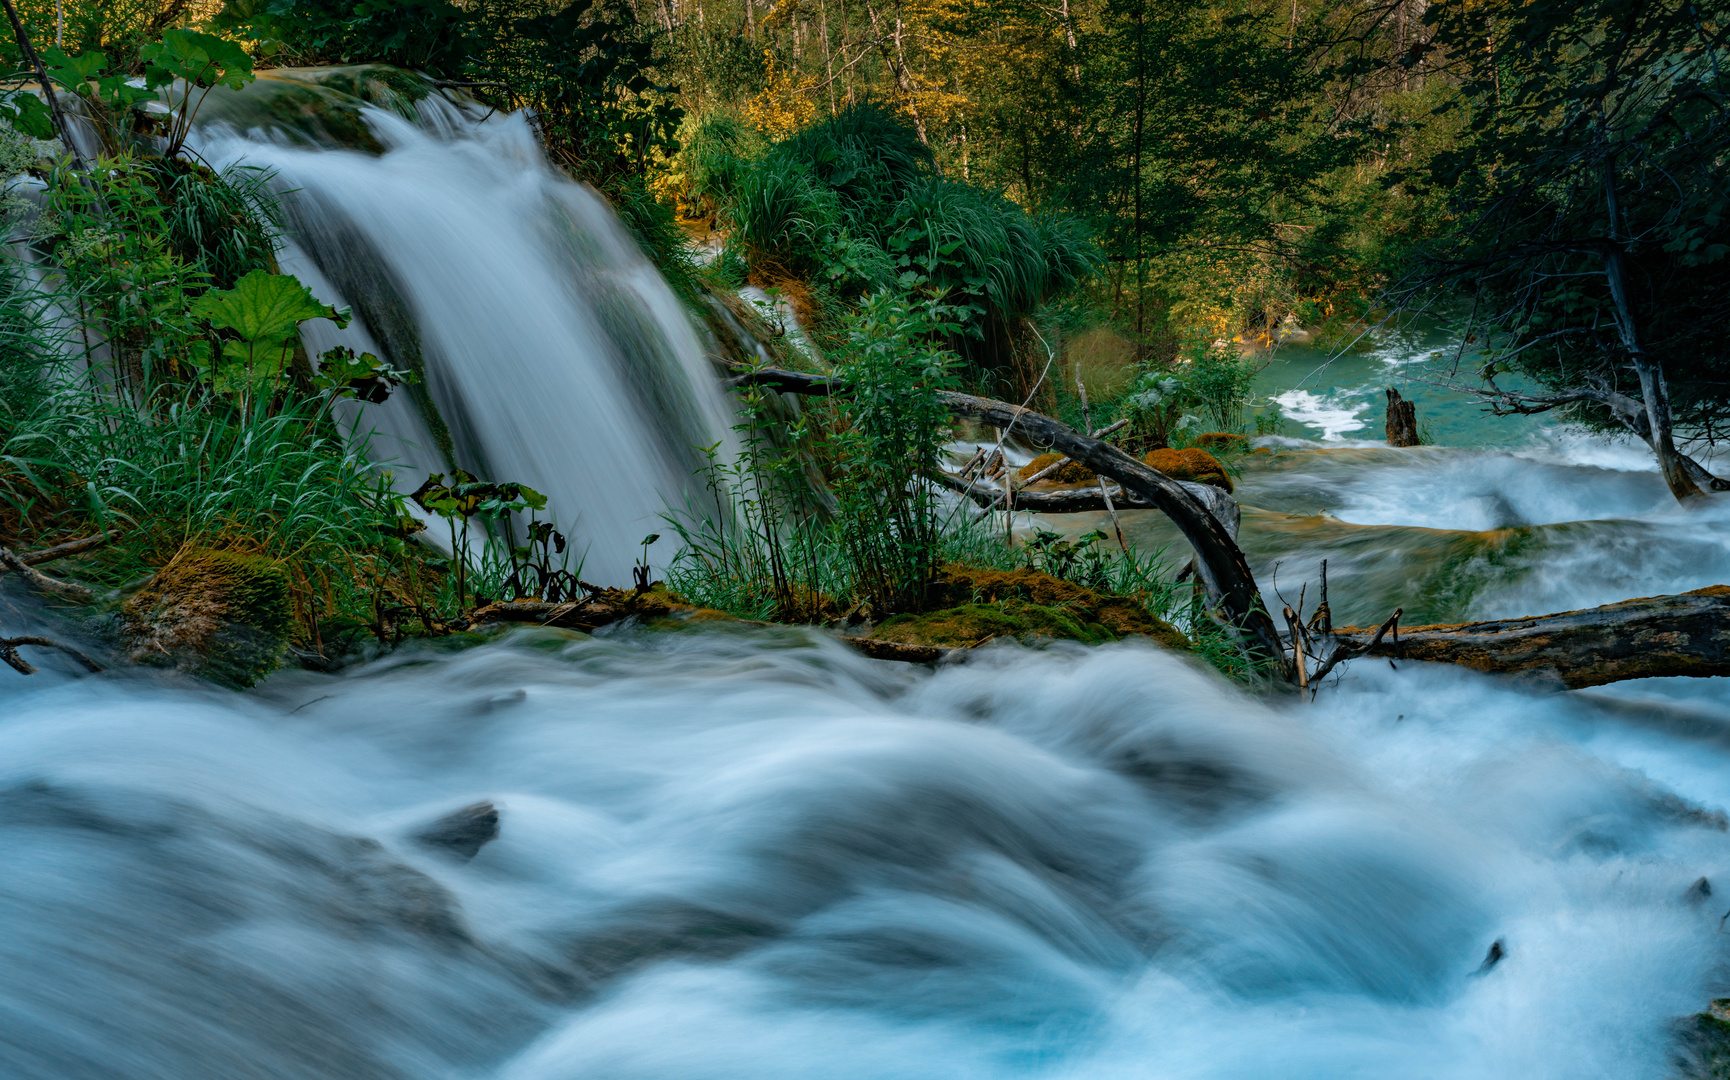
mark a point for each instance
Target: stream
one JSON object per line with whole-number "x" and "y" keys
{"x": 748, "y": 852}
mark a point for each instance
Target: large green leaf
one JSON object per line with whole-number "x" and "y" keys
{"x": 264, "y": 307}
{"x": 26, "y": 113}
{"x": 201, "y": 59}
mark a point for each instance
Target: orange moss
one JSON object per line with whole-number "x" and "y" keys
{"x": 1218, "y": 440}
{"x": 1072, "y": 473}
{"x": 1194, "y": 465}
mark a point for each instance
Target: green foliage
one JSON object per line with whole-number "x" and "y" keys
{"x": 364, "y": 378}
{"x": 434, "y": 36}
{"x": 1216, "y": 380}
{"x": 852, "y": 203}
{"x": 462, "y": 500}
{"x": 1593, "y": 165}
{"x": 263, "y": 313}
{"x": 888, "y": 440}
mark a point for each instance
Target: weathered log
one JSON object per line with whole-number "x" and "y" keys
{"x": 1687, "y": 634}
{"x": 1219, "y": 503}
{"x": 1222, "y": 567}
{"x": 1402, "y": 420}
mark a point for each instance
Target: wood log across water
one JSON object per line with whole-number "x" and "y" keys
{"x": 1221, "y": 565}
{"x": 1652, "y": 636}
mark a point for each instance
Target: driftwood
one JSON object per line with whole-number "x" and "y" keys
{"x": 1687, "y": 634}
{"x": 9, "y": 653}
{"x": 1221, "y": 565}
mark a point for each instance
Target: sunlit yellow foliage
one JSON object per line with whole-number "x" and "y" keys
{"x": 787, "y": 102}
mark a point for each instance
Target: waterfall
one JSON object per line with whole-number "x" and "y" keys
{"x": 552, "y": 353}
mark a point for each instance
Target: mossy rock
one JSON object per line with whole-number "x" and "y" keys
{"x": 1195, "y": 465}
{"x": 1219, "y": 440}
{"x": 221, "y": 615}
{"x": 1023, "y": 603}
{"x": 1072, "y": 473}
{"x": 1703, "y": 1044}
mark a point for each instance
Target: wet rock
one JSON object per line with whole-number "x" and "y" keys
{"x": 464, "y": 832}
{"x": 1494, "y": 956}
{"x": 1701, "y": 1050}
{"x": 1697, "y": 892}
{"x": 1192, "y": 464}
{"x": 219, "y": 615}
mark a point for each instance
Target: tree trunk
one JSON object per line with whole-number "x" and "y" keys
{"x": 1635, "y": 639}
{"x": 1402, "y": 420}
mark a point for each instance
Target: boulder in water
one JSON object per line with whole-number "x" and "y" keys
{"x": 462, "y": 832}
{"x": 220, "y": 615}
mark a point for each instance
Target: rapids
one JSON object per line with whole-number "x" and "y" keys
{"x": 749, "y": 852}
{"x": 753, "y": 853}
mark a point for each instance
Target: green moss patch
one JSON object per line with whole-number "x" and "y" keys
{"x": 1024, "y": 604}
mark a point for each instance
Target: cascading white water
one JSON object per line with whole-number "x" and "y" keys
{"x": 554, "y": 352}
{"x": 755, "y": 854}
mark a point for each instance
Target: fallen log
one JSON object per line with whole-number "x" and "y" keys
{"x": 1688, "y": 634}
{"x": 1221, "y": 565}
{"x": 1219, "y": 503}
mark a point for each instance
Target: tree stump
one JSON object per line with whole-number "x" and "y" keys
{"x": 1402, "y": 420}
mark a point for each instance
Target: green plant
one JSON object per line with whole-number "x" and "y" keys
{"x": 465, "y": 498}
{"x": 1220, "y": 379}
{"x": 196, "y": 63}
{"x": 263, "y": 313}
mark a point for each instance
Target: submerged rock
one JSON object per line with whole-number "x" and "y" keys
{"x": 1192, "y": 464}
{"x": 219, "y": 615}
{"x": 1702, "y": 1046}
{"x": 462, "y": 832}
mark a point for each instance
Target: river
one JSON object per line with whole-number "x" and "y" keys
{"x": 749, "y": 852}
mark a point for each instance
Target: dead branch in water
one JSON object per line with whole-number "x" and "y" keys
{"x": 1688, "y": 634}
{"x": 9, "y": 653}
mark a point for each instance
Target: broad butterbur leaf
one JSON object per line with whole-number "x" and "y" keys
{"x": 264, "y": 307}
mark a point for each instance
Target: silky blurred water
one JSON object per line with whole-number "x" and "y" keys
{"x": 552, "y": 351}
{"x": 748, "y": 852}
{"x": 754, "y": 853}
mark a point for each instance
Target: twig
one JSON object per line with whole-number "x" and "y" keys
{"x": 1348, "y": 652}
{"x": 71, "y": 547}
{"x": 1297, "y": 647}
{"x": 8, "y": 652}
{"x": 66, "y": 590}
